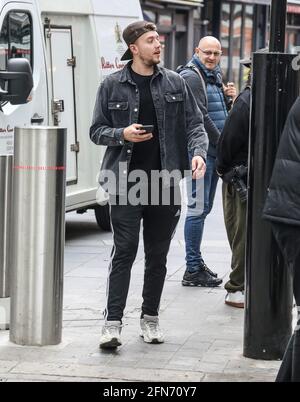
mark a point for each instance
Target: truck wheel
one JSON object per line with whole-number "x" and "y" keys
{"x": 103, "y": 217}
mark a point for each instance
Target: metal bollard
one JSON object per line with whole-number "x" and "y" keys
{"x": 38, "y": 235}
{"x": 269, "y": 295}
{"x": 5, "y": 204}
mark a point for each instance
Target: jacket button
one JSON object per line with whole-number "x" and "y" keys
{"x": 136, "y": 110}
{"x": 125, "y": 171}
{"x": 118, "y": 106}
{"x": 129, "y": 151}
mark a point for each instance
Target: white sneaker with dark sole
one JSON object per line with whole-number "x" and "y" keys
{"x": 150, "y": 331}
{"x": 235, "y": 299}
{"x": 110, "y": 338}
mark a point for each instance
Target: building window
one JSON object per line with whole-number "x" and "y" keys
{"x": 16, "y": 37}
{"x": 149, "y": 15}
{"x": 248, "y": 30}
{"x": 247, "y": 42}
{"x": 224, "y": 37}
{"x": 236, "y": 36}
{"x": 165, "y": 20}
{"x": 236, "y": 42}
{"x": 293, "y": 33}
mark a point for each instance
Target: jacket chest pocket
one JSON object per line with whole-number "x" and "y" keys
{"x": 119, "y": 113}
{"x": 174, "y": 103}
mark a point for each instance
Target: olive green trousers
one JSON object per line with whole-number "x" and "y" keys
{"x": 235, "y": 223}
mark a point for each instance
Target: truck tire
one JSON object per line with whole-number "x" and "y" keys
{"x": 103, "y": 217}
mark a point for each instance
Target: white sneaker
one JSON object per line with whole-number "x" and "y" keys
{"x": 236, "y": 299}
{"x": 110, "y": 337}
{"x": 150, "y": 330}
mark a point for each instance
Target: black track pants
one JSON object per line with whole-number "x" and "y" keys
{"x": 159, "y": 224}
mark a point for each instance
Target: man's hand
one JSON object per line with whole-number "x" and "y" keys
{"x": 230, "y": 90}
{"x": 198, "y": 167}
{"x": 133, "y": 134}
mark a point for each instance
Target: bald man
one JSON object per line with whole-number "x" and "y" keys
{"x": 204, "y": 77}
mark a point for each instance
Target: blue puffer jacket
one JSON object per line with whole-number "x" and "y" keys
{"x": 217, "y": 108}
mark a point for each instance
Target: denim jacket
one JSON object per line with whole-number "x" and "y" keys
{"x": 179, "y": 120}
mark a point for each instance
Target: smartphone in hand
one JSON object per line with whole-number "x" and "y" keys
{"x": 148, "y": 128}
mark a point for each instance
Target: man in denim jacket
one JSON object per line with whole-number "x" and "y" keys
{"x": 143, "y": 94}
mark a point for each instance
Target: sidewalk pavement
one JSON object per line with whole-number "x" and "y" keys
{"x": 204, "y": 337}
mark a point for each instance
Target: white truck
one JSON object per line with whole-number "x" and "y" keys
{"x": 71, "y": 46}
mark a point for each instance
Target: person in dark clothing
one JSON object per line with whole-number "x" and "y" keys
{"x": 282, "y": 208}
{"x": 139, "y": 95}
{"x": 232, "y": 157}
{"x": 204, "y": 77}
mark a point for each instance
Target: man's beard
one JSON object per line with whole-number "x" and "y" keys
{"x": 149, "y": 62}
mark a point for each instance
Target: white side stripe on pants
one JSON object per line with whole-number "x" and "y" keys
{"x": 110, "y": 266}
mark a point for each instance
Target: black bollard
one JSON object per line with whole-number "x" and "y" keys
{"x": 268, "y": 310}
{"x": 269, "y": 297}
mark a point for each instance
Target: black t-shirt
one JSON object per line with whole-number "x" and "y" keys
{"x": 146, "y": 155}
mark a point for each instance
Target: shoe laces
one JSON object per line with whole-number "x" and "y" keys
{"x": 113, "y": 329}
{"x": 205, "y": 267}
{"x": 153, "y": 326}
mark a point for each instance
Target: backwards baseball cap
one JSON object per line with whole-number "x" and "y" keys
{"x": 133, "y": 32}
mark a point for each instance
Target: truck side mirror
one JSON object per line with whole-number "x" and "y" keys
{"x": 20, "y": 81}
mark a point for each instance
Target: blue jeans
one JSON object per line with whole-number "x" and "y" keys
{"x": 197, "y": 212}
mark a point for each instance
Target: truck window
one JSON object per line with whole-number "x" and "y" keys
{"x": 16, "y": 37}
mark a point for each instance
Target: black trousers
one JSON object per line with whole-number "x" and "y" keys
{"x": 159, "y": 225}
{"x": 288, "y": 238}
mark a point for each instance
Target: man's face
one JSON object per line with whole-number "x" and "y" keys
{"x": 147, "y": 48}
{"x": 209, "y": 53}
